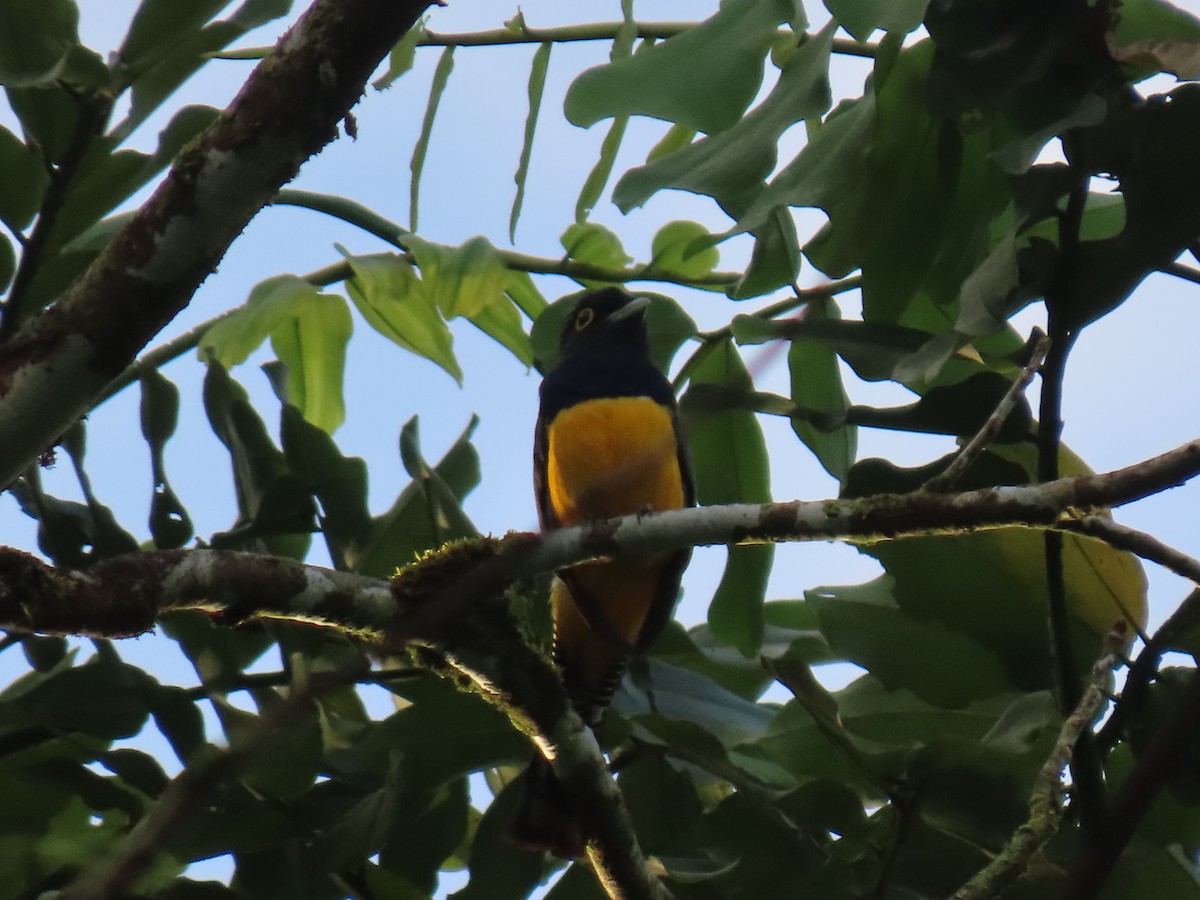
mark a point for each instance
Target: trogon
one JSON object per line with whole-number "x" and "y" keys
{"x": 608, "y": 443}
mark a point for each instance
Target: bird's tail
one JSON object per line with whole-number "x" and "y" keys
{"x": 544, "y": 819}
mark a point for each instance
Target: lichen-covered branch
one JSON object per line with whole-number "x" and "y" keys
{"x": 1045, "y": 802}
{"x": 124, "y": 595}
{"x": 287, "y": 111}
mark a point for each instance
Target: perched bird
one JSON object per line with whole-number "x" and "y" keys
{"x": 608, "y": 443}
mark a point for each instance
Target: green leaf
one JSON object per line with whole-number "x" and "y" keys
{"x": 8, "y": 263}
{"x": 500, "y": 870}
{"x": 433, "y": 826}
{"x": 772, "y": 859}
{"x": 588, "y": 242}
{"x": 1155, "y": 36}
{"x": 817, "y": 383}
{"x": 49, "y": 117}
{"x": 662, "y": 804}
{"x": 862, "y": 17}
{"x": 735, "y": 614}
{"x": 108, "y": 538}
{"x": 524, "y": 293}
{"x": 220, "y": 655}
{"x": 593, "y": 185}
{"x": 178, "y": 719}
{"x": 447, "y": 521}
{"x": 775, "y": 260}
{"x": 35, "y": 39}
{"x": 703, "y": 78}
{"x": 678, "y": 694}
{"x": 275, "y": 509}
{"x": 668, "y": 327}
{"x": 501, "y": 321}
{"x": 170, "y": 525}
{"x": 279, "y": 763}
{"x": 339, "y": 484}
{"x": 102, "y": 699}
{"x": 731, "y": 164}
{"x": 388, "y": 294}
{"x": 1023, "y": 67}
{"x": 425, "y": 515}
{"x": 927, "y": 166}
{"x": 537, "y": 85}
{"x": 683, "y": 248}
{"x": 312, "y": 344}
{"x": 1001, "y": 571}
{"x": 24, "y": 183}
{"x": 158, "y": 24}
{"x": 441, "y": 732}
{"x": 271, "y": 303}
{"x": 441, "y": 76}
{"x": 1161, "y": 188}
{"x": 463, "y": 281}
{"x": 400, "y": 60}
{"x": 731, "y": 466}
{"x": 676, "y": 138}
{"x": 161, "y": 52}
{"x": 830, "y": 166}
{"x": 866, "y": 626}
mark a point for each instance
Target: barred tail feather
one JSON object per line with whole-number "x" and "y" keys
{"x": 544, "y": 819}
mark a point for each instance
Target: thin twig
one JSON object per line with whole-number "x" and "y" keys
{"x": 1179, "y": 270}
{"x": 946, "y": 480}
{"x": 256, "y": 680}
{"x": 1045, "y": 802}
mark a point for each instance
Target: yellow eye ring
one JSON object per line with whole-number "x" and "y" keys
{"x": 584, "y": 318}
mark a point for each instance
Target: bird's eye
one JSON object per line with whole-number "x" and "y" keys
{"x": 584, "y": 318}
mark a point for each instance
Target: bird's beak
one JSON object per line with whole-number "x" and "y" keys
{"x": 634, "y": 308}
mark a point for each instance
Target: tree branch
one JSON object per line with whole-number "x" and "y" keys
{"x": 565, "y": 34}
{"x": 1045, "y": 803}
{"x": 287, "y": 111}
{"x": 123, "y": 596}
{"x": 598, "y": 31}
{"x": 386, "y": 230}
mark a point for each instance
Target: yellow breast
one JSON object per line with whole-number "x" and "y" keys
{"x": 612, "y": 457}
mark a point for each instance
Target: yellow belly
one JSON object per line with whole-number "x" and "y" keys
{"x": 612, "y": 457}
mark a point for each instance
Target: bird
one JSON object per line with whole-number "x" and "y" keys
{"x": 608, "y": 442}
